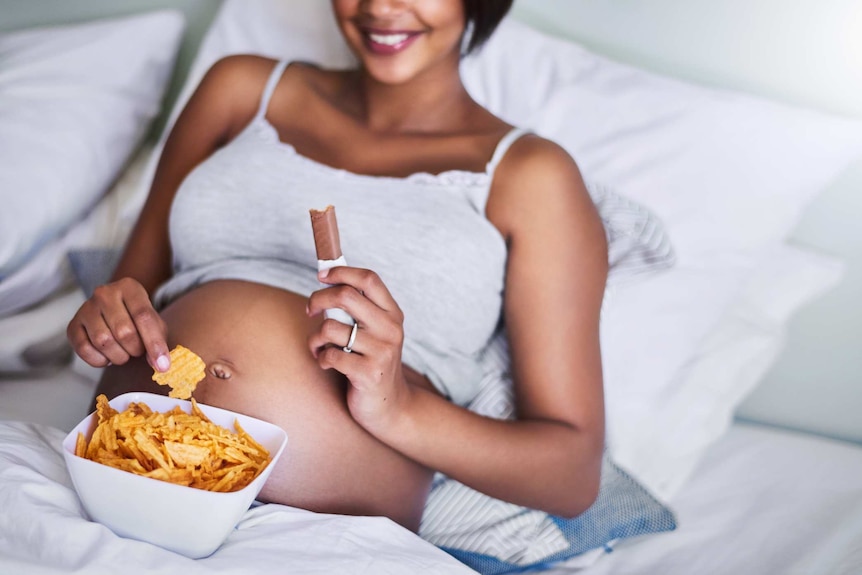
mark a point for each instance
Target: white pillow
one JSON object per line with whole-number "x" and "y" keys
{"x": 729, "y": 174}
{"x": 104, "y": 226}
{"x": 660, "y": 432}
{"x": 48, "y": 279}
{"x": 75, "y": 101}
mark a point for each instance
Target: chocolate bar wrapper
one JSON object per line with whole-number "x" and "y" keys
{"x": 327, "y": 244}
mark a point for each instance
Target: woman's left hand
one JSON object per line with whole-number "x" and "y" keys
{"x": 373, "y": 366}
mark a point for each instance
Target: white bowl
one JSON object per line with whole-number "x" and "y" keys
{"x": 186, "y": 520}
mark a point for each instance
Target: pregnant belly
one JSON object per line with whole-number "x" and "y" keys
{"x": 253, "y": 339}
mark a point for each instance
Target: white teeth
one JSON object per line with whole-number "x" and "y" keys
{"x": 388, "y": 39}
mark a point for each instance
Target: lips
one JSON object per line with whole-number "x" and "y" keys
{"x": 388, "y": 42}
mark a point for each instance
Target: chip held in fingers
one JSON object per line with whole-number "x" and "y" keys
{"x": 186, "y": 371}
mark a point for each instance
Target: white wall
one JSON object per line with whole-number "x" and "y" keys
{"x": 802, "y": 51}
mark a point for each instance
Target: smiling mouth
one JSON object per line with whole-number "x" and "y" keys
{"x": 388, "y": 39}
{"x": 386, "y": 43}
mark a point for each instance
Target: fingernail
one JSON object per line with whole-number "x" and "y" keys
{"x": 163, "y": 363}
{"x": 323, "y": 273}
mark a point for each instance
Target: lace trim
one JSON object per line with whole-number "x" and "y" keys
{"x": 459, "y": 178}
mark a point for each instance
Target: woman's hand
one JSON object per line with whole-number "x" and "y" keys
{"x": 373, "y": 366}
{"x": 119, "y": 322}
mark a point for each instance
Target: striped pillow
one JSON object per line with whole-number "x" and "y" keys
{"x": 493, "y": 537}
{"x": 637, "y": 242}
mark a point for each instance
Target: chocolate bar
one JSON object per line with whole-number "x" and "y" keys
{"x": 327, "y": 243}
{"x": 326, "y": 239}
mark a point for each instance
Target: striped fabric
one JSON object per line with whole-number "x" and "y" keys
{"x": 493, "y": 536}
{"x": 637, "y": 242}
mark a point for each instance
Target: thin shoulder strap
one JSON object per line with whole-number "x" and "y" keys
{"x": 274, "y": 77}
{"x": 503, "y": 147}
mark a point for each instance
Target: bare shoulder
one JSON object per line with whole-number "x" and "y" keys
{"x": 252, "y": 71}
{"x": 238, "y": 74}
{"x": 232, "y": 87}
{"x": 228, "y": 93}
{"x": 535, "y": 160}
{"x": 538, "y": 176}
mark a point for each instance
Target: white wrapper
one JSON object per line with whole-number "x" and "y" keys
{"x": 335, "y": 313}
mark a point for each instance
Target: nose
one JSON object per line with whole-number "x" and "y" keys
{"x": 383, "y": 8}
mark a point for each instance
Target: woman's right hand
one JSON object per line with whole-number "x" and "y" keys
{"x": 117, "y": 323}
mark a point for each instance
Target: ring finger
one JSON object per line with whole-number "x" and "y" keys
{"x": 336, "y": 334}
{"x": 351, "y": 340}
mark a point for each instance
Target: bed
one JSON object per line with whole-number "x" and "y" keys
{"x": 723, "y": 144}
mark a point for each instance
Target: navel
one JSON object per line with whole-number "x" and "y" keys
{"x": 220, "y": 371}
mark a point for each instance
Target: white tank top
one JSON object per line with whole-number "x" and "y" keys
{"x": 243, "y": 214}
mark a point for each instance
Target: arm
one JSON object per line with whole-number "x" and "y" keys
{"x": 550, "y": 457}
{"x": 119, "y": 321}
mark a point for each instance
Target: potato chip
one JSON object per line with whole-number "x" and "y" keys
{"x": 81, "y": 445}
{"x": 184, "y": 454}
{"x": 186, "y": 371}
{"x": 175, "y": 446}
{"x": 103, "y": 409}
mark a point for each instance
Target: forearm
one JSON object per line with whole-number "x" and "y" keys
{"x": 146, "y": 255}
{"x": 541, "y": 464}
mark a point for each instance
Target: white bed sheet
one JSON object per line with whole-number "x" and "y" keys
{"x": 763, "y": 501}
{"x": 43, "y": 529}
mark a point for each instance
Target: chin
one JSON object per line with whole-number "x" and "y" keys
{"x": 404, "y": 69}
{"x": 390, "y": 77}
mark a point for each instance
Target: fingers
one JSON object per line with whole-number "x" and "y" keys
{"x": 337, "y": 335}
{"x": 151, "y": 330}
{"x": 372, "y": 365}
{"x": 80, "y": 340}
{"x": 359, "y": 292}
{"x": 364, "y": 281}
{"x": 91, "y": 335}
{"x": 116, "y": 323}
{"x": 368, "y": 359}
{"x": 373, "y": 353}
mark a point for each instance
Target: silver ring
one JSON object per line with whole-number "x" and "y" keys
{"x": 349, "y": 347}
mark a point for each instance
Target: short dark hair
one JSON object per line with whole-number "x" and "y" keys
{"x": 482, "y": 17}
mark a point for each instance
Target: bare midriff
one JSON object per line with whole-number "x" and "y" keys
{"x": 253, "y": 339}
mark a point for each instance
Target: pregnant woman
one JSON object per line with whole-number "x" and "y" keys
{"x": 451, "y": 221}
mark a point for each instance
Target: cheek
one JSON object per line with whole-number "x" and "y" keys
{"x": 344, "y": 11}
{"x": 448, "y": 18}
{"x": 345, "y": 8}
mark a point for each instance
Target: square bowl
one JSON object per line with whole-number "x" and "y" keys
{"x": 190, "y": 521}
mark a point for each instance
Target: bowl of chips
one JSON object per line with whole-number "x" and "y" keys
{"x": 168, "y": 471}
